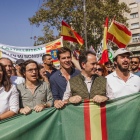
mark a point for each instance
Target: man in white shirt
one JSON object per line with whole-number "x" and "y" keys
{"x": 121, "y": 82}
{"x": 7, "y": 63}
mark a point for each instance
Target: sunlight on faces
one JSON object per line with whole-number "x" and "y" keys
{"x": 48, "y": 61}
{"x": 65, "y": 60}
{"x": 123, "y": 62}
{"x": 8, "y": 66}
{"x": 31, "y": 73}
{"x": 1, "y": 74}
{"x": 134, "y": 66}
{"x": 90, "y": 66}
{"x": 99, "y": 72}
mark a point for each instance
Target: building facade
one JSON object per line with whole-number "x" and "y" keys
{"x": 134, "y": 25}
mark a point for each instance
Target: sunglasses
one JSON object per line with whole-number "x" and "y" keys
{"x": 100, "y": 69}
{"x": 134, "y": 62}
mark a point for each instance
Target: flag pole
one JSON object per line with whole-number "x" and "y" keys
{"x": 84, "y": 7}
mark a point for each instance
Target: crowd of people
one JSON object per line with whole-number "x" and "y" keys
{"x": 28, "y": 86}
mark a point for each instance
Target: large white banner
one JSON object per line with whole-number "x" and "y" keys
{"x": 34, "y": 52}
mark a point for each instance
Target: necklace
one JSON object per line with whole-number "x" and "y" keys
{"x": 31, "y": 88}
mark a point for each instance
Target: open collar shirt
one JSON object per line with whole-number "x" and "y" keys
{"x": 117, "y": 87}
{"x": 58, "y": 83}
{"x": 42, "y": 95}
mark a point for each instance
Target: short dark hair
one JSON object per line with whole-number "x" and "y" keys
{"x": 63, "y": 50}
{"x": 135, "y": 57}
{"x": 43, "y": 57}
{"x": 108, "y": 62}
{"x": 83, "y": 57}
{"x": 23, "y": 67}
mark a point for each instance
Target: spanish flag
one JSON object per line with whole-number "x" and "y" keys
{"x": 119, "y": 34}
{"x": 104, "y": 58}
{"x": 70, "y": 35}
{"x": 52, "y": 48}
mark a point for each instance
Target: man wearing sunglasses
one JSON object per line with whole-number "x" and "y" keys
{"x": 135, "y": 66}
{"x": 121, "y": 82}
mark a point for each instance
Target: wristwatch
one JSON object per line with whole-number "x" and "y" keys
{"x": 45, "y": 105}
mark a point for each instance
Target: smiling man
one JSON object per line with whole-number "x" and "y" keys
{"x": 135, "y": 66}
{"x": 121, "y": 82}
{"x": 59, "y": 79}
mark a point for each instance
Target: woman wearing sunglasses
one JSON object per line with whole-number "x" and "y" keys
{"x": 101, "y": 70}
{"x": 9, "y": 96}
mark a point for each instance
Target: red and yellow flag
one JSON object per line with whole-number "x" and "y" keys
{"x": 95, "y": 121}
{"x": 52, "y": 48}
{"x": 104, "y": 58}
{"x": 119, "y": 34}
{"x": 70, "y": 35}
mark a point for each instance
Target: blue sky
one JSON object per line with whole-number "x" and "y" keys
{"x": 137, "y": 1}
{"x": 15, "y": 29}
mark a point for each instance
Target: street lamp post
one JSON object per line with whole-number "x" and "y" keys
{"x": 84, "y": 7}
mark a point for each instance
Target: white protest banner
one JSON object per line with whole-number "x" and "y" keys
{"x": 34, "y": 52}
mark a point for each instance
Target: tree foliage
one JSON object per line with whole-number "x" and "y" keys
{"x": 52, "y": 12}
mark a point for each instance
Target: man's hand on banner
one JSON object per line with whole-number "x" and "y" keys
{"x": 59, "y": 104}
{"x": 39, "y": 108}
{"x": 75, "y": 99}
{"x": 99, "y": 99}
{"x": 26, "y": 110}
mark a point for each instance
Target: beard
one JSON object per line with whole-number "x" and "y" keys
{"x": 121, "y": 68}
{"x": 50, "y": 64}
{"x": 133, "y": 69}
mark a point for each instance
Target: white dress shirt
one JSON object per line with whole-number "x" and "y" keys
{"x": 68, "y": 94}
{"x": 9, "y": 101}
{"x": 117, "y": 87}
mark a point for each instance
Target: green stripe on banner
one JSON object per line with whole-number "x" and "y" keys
{"x": 50, "y": 124}
{"x": 123, "y": 118}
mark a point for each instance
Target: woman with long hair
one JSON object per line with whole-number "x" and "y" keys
{"x": 9, "y": 96}
{"x": 101, "y": 70}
